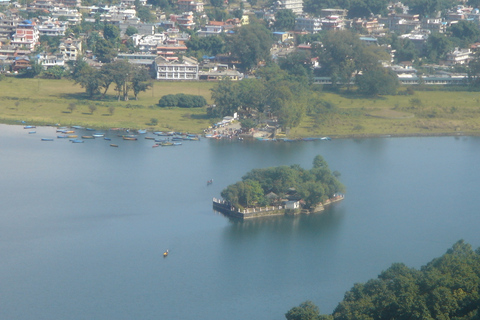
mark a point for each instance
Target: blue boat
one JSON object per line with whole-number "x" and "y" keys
{"x": 47, "y": 139}
{"x": 77, "y": 127}
{"x": 107, "y": 138}
{"x": 76, "y": 140}
{"x": 62, "y": 136}
{"x": 30, "y": 132}
{"x": 90, "y": 129}
{"x": 29, "y": 127}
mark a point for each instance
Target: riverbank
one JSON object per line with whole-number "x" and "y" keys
{"x": 52, "y": 102}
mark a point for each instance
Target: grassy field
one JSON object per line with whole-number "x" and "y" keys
{"x": 39, "y": 101}
{"x": 423, "y": 113}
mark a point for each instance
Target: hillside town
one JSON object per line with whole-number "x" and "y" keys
{"x": 168, "y": 39}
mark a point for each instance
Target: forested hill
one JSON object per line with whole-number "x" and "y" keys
{"x": 445, "y": 288}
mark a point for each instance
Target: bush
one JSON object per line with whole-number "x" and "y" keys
{"x": 182, "y": 100}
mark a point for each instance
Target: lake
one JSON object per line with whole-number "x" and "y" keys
{"x": 83, "y": 226}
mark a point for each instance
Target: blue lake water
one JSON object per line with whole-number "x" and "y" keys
{"x": 83, "y": 226}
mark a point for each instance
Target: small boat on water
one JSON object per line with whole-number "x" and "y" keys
{"x": 129, "y": 138}
{"x": 166, "y": 144}
{"x": 165, "y": 253}
{"x": 32, "y": 132}
{"x": 62, "y": 136}
{"x": 47, "y": 139}
{"x": 98, "y": 134}
{"x": 76, "y": 140}
{"x": 142, "y": 131}
{"x": 72, "y": 136}
{"x": 209, "y": 182}
{"x": 114, "y": 145}
{"x": 77, "y": 127}
{"x": 150, "y": 138}
{"x": 155, "y": 145}
{"x": 29, "y": 127}
{"x": 90, "y": 129}
{"x": 88, "y": 137}
{"x": 107, "y": 138}
{"x": 177, "y": 143}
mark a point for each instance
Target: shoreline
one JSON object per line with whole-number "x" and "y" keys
{"x": 332, "y": 136}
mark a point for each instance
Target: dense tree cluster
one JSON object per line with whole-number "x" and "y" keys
{"x": 125, "y": 76}
{"x": 343, "y": 56}
{"x": 445, "y": 288}
{"x": 182, "y": 100}
{"x": 312, "y": 186}
{"x": 209, "y": 46}
{"x": 250, "y": 44}
{"x": 274, "y": 90}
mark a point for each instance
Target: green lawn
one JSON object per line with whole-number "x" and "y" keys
{"x": 438, "y": 112}
{"x": 40, "y": 101}
{"x": 43, "y": 101}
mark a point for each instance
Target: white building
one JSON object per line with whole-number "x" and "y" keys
{"x": 49, "y": 61}
{"x": 176, "y": 70}
{"x": 312, "y": 25}
{"x": 295, "y": 5}
{"x": 71, "y": 49}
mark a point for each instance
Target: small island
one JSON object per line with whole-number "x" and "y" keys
{"x": 281, "y": 190}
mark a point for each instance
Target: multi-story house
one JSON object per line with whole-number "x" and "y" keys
{"x": 213, "y": 28}
{"x": 71, "y": 48}
{"x": 49, "y": 61}
{"x": 26, "y": 35}
{"x": 7, "y": 28}
{"x": 295, "y": 5}
{"x": 333, "y": 23}
{"x": 369, "y": 26}
{"x": 148, "y": 43}
{"x": 171, "y": 51}
{"x": 72, "y": 15}
{"x": 308, "y": 24}
{"x": 190, "y": 5}
{"x": 52, "y": 28}
{"x": 187, "y": 69}
{"x": 459, "y": 56}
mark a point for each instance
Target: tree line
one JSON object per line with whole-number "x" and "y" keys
{"x": 446, "y": 288}
{"x": 312, "y": 186}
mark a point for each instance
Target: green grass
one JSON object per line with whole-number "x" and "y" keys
{"x": 440, "y": 112}
{"x": 39, "y": 101}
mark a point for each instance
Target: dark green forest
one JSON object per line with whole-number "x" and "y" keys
{"x": 445, "y": 288}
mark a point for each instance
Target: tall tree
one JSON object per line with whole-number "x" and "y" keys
{"x": 338, "y": 55}
{"x": 140, "y": 81}
{"x": 226, "y": 97}
{"x": 251, "y": 44}
{"x": 89, "y": 79}
{"x": 105, "y": 51}
{"x": 284, "y": 20}
{"x": 111, "y": 33}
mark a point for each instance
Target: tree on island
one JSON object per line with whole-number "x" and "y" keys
{"x": 445, "y": 288}
{"x": 312, "y": 186}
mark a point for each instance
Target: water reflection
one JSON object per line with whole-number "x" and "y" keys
{"x": 319, "y": 224}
